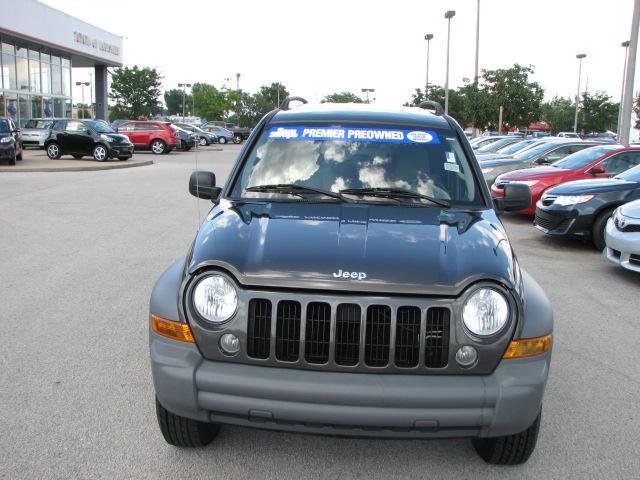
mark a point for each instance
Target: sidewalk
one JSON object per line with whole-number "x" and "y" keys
{"x": 37, "y": 161}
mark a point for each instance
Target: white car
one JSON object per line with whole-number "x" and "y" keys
{"x": 622, "y": 236}
{"x": 568, "y": 135}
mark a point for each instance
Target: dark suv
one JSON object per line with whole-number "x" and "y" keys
{"x": 353, "y": 278}
{"x": 10, "y": 141}
{"x": 81, "y": 138}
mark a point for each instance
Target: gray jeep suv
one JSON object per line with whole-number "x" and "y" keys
{"x": 353, "y": 278}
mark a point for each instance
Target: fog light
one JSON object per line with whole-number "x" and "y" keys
{"x": 229, "y": 344}
{"x": 466, "y": 356}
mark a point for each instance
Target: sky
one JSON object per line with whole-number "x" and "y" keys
{"x": 316, "y": 48}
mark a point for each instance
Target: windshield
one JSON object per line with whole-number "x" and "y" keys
{"x": 631, "y": 175}
{"x": 494, "y": 146}
{"x": 583, "y": 157}
{"x": 335, "y": 158}
{"x": 515, "y": 147}
{"x": 4, "y": 126}
{"x": 41, "y": 124}
{"x": 99, "y": 126}
{"x": 532, "y": 152}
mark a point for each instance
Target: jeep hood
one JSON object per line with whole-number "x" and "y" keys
{"x": 401, "y": 250}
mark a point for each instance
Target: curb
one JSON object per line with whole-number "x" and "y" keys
{"x": 84, "y": 168}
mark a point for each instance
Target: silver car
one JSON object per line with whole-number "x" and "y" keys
{"x": 36, "y": 131}
{"x": 622, "y": 236}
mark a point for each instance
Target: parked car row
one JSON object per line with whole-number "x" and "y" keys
{"x": 580, "y": 190}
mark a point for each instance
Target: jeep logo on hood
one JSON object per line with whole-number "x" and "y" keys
{"x": 354, "y": 275}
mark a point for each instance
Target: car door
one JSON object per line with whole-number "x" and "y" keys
{"x": 75, "y": 137}
{"x": 143, "y": 134}
{"x": 619, "y": 163}
{"x": 128, "y": 129}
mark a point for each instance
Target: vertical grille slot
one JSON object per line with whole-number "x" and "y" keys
{"x": 288, "y": 331}
{"x": 347, "y": 334}
{"x": 318, "y": 333}
{"x": 407, "y": 337}
{"x": 259, "y": 328}
{"x": 377, "y": 336}
{"x": 436, "y": 345}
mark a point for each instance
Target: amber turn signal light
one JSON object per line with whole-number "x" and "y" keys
{"x": 171, "y": 329}
{"x": 528, "y": 347}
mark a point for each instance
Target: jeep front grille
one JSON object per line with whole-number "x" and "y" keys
{"x": 349, "y": 335}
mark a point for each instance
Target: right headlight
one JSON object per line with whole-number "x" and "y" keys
{"x": 485, "y": 312}
{"x": 215, "y": 298}
{"x": 568, "y": 200}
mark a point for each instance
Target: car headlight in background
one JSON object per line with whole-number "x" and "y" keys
{"x": 6, "y": 139}
{"x": 215, "y": 298}
{"x": 107, "y": 138}
{"x": 485, "y": 312}
{"x": 529, "y": 183}
{"x": 567, "y": 200}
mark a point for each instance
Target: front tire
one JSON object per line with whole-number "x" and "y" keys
{"x": 12, "y": 158}
{"x": 237, "y": 139}
{"x": 100, "y": 153}
{"x": 222, "y": 140}
{"x": 184, "y": 432}
{"x": 203, "y": 142}
{"x": 158, "y": 147}
{"x": 599, "y": 226}
{"x": 53, "y": 151}
{"x": 510, "y": 449}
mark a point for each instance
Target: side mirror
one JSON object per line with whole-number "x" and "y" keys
{"x": 543, "y": 161}
{"x": 202, "y": 184}
{"x": 517, "y": 196}
{"x": 597, "y": 169}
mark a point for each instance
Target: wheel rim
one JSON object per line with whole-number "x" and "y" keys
{"x": 100, "y": 153}
{"x": 53, "y": 150}
{"x": 223, "y": 140}
{"x": 203, "y": 142}
{"x": 157, "y": 147}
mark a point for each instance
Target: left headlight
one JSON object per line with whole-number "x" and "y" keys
{"x": 215, "y": 298}
{"x": 567, "y": 200}
{"x": 6, "y": 139}
{"x": 485, "y": 312}
{"x": 106, "y": 138}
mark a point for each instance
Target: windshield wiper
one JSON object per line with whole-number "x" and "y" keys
{"x": 394, "y": 193}
{"x": 293, "y": 189}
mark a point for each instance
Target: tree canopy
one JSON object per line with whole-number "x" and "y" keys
{"x": 173, "y": 101}
{"x": 597, "y": 113}
{"x": 136, "y": 92}
{"x": 342, "y": 97}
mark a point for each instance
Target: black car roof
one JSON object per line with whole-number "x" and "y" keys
{"x": 360, "y": 113}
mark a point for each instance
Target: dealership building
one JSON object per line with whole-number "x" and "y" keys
{"x": 40, "y": 46}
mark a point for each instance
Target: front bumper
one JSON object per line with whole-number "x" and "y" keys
{"x": 623, "y": 248}
{"x": 121, "y": 150}
{"x": 349, "y": 404}
{"x": 7, "y": 150}
{"x": 564, "y": 221}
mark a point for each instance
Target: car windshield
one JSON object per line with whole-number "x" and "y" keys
{"x": 99, "y": 126}
{"x": 335, "y": 158}
{"x": 516, "y": 147}
{"x": 4, "y": 126}
{"x": 494, "y": 146}
{"x": 631, "y": 175}
{"x": 40, "y": 124}
{"x": 583, "y": 157}
{"x": 532, "y": 152}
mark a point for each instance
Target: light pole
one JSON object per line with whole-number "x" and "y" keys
{"x": 475, "y": 71}
{"x": 238, "y": 82}
{"x": 627, "y": 101}
{"x": 91, "y": 96}
{"x": 580, "y": 56}
{"x": 368, "y": 91}
{"x": 449, "y": 14}
{"x": 82, "y": 84}
{"x": 184, "y": 92}
{"x": 428, "y": 38}
{"x": 624, "y": 70}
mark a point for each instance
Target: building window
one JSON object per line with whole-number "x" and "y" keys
{"x": 36, "y": 107}
{"x": 34, "y": 71}
{"x": 47, "y": 107}
{"x": 68, "y": 108}
{"x": 56, "y": 79}
{"x": 23, "y": 109}
{"x": 11, "y": 105}
{"x": 66, "y": 81}
{"x": 9, "y": 71}
{"x": 57, "y": 107}
{"x": 22, "y": 69}
{"x": 8, "y": 48}
{"x": 45, "y": 71}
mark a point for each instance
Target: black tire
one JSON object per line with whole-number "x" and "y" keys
{"x": 222, "y": 140}
{"x": 12, "y": 159}
{"x": 510, "y": 449}
{"x": 19, "y": 155}
{"x": 100, "y": 153}
{"x": 184, "y": 432}
{"x": 237, "y": 139}
{"x": 78, "y": 157}
{"x": 53, "y": 151}
{"x": 158, "y": 147}
{"x": 597, "y": 232}
{"x": 203, "y": 142}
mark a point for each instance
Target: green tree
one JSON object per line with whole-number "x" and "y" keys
{"x": 173, "y": 101}
{"x": 479, "y": 107}
{"x": 636, "y": 109}
{"x": 436, "y": 94}
{"x": 253, "y": 107}
{"x": 559, "y": 113}
{"x": 136, "y": 92}
{"x": 211, "y": 103}
{"x": 342, "y": 97}
{"x": 512, "y": 89}
{"x": 598, "y": 113}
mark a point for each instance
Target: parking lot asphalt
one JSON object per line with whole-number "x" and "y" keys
{"x": 79, "y": 254}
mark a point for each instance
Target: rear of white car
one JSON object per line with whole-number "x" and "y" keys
{"x": 622, "y": 236}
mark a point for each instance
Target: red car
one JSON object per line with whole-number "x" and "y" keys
{"x": 602, "y": 161}
{"x": 158, "y": 137}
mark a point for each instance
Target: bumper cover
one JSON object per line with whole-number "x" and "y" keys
{"x": 350, "y": 404}
{"x": 621, "y": 246}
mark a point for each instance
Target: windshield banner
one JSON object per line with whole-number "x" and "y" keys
{"x": 381, "y": 135}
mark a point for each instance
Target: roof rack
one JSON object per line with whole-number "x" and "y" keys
{"x": 431, "y": 105}
{"x": 285, "y": 105}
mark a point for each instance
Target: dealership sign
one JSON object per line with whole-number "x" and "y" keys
{"x": 101, "y": 45}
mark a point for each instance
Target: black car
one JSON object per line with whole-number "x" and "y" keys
{"x": 81, "y": 138}
{"x": 353, "y": 278}
{"x": 187, "y": 139}
{"x": 10, "y": 141}
{"x": 581, "y": 209}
